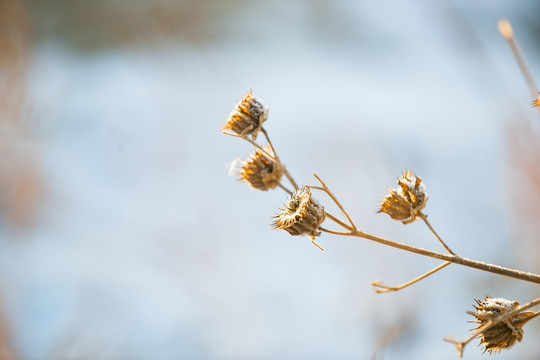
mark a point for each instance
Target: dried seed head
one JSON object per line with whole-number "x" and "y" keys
{"x": 405, "y": 202}
{"x": 260, "y": 171}
{"x": 503, "y": 334}
{"x": 247, "y": 116}
{"x": 302, "y": 215}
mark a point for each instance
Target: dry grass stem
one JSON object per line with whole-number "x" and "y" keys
{"x": 391, "y": 335}
{"x": 505, "y": 28}
{"x": 380, "y": 288}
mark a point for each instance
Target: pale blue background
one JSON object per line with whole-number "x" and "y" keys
{"x": 146, "y": 249}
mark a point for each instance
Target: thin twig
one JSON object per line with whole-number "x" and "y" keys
{"x": 338, "y": 221}
{"x": 424, "y": 217}
{"x": 380, "y": 288}
{"x": 285, "y": 189}
{"x": 327, "y": 190}
{"x": 285, "y": 171}
{"x": 269, "y": 142}
{"x": 505, "y": 28}
{"x": 291, "y": 180}
{"x": 317, "y": 245}
{"x": 245, "y": 137}
{"x": 333, "y": 231}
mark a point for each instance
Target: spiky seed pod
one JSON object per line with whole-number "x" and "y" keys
{"x": 405, "y": 202}
{"x": 302, "y": 215}
{"x": 503, "y": 334}
{"x": 247, "y": 116}
{"x": 260, "y": 171}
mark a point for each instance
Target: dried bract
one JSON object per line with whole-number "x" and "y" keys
{"x": 260, "y": 171}
{"x": 247, "y": 117}
{"x": 302, "y": 215}
{"x": 405, "y": 202}
{"x": 503, "y": 334}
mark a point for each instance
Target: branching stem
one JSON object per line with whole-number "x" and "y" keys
{"x": 327, "y": 190}
{"x": 496, "y": 269}
{"x": 338, "y": 221}
{"x": 380, "y": 288}
{"x": 276, "y": 157}
{"x": 424, "y": 217}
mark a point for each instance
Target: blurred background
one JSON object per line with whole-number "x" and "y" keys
{"x": 123, "y": 237}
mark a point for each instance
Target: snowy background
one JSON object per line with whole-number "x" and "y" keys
{"x": 136, "y": 244}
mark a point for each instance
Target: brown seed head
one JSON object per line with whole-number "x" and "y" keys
{"x": 405, "y": 202}
{"x": 260, "y": 171}
{"x": 247, "y": 116}
{"x": 302, "y": 215}
{"x": 503, "y": 334}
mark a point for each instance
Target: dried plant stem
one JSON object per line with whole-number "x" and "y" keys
{"x": 269, "y": 141}
{"x": 291, "y": 180}
{"x": 338, "y": 221}
{"x": 505, "y": 28}
{"x": 451, "y": 257}
{"x": 245, "y": 137}
{"x": 455, "y": 259}
{"x": 460, "y": 345}
{"x": 285, "y": 189}
{"x": 327, "y": 190}
{"x": 317, "y": 245}
{"x": 380, "y": 288}
{"x": 333, "y": 231}
{"x": 424, "y": 217}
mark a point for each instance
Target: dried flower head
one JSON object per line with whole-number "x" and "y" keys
{"x": 247, "y": 116}
{"x": 302, "y": 215}
{"x": 405, "y": 202}
{"x": 503, "y": 334}
{"x": 260, "y": 171}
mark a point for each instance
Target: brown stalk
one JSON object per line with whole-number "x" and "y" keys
{"x": 380, "y": 288}
{"x": 451, "y": 257}
{"x": 424, "y": 217}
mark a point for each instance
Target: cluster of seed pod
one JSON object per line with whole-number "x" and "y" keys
{"x": 263, "y": 170}
{"x": 500, "y": 321}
